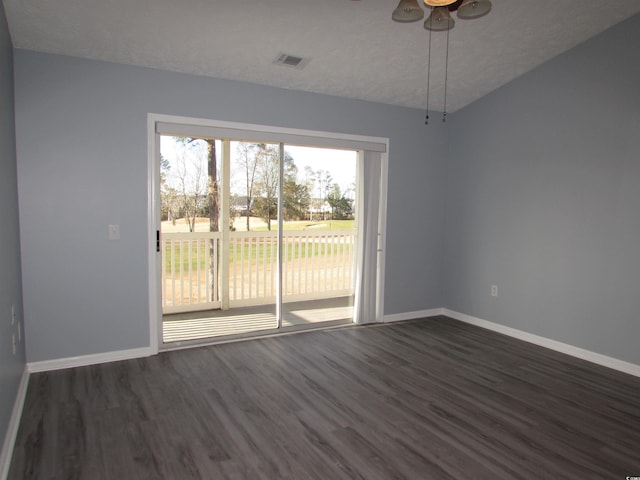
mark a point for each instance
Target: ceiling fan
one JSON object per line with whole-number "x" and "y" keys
{"x": 440, "y": 19}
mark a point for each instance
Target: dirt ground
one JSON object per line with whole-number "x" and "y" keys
{"x": 202, "y": 224}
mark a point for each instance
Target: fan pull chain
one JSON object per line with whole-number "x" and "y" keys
{"x": 426, "y": 121}
{"x": 446, "y": 77}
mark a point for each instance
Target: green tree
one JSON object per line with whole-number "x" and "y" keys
{"x": 341, "y": 205}
{"x": 319, "y": 184}
{"x": 296, "y": 200}
{"x": 296, "y": 197}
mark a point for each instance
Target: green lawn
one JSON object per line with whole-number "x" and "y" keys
{"x": 315, "y": 226}
{"x": 256, "y": 253}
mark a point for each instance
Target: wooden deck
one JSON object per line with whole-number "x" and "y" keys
{"x": 259, "y": 319}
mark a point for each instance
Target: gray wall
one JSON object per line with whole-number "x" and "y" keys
{"x": 82, "y": 164}
{"x": 11, "y": 366}
{"x": 543, "y": 199}
{"x": 541, "y": 195}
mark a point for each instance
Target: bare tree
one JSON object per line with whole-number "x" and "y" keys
{"x": 268, "y": 174}
{"x": 168, "y": 204}
{"x": 248, "y": 161}
{"x": 189, "y": 179}
{"x": 197, "y": 187}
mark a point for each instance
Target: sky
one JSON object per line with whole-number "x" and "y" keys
{"x": 341, "y": 164}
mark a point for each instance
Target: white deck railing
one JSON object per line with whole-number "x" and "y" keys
{"x": 314, "y": 265}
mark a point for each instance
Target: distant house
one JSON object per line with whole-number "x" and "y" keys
{"x": 239, "y": 205}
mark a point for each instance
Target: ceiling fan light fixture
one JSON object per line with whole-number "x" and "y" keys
{"x": 439, "y": 3}
{"x": 407, "y": 11}
{"x": 440, "y": 20}
{"x": 474, "y": 9}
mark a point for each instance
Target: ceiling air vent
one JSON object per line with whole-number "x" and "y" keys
{"x": 291, "y": 61}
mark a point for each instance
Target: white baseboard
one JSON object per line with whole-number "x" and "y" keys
{"x": 14, "y": 424}
{"x": 577, "y": 352}
{"x": 590, "y": 356}
{"x": 84, "y": 360}
{"x": 399, "y": 317}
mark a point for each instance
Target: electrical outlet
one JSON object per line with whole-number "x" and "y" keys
{"x": 114, "y": 232}
{"x": 13, "y": 314}
{"x": 494, "y": 290}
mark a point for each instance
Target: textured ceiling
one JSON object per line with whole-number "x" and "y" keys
{"x": 354, "y": 47}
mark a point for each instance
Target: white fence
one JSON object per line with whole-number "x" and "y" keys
{"x": 314, "y": 265}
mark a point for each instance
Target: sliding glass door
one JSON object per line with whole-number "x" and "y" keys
{"x": 319, "y": 233}
{"x": 255, "y": 236}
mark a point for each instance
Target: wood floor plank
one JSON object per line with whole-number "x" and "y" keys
{"x": 427, "y": 399}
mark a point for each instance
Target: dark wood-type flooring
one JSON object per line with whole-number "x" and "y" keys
{"x": 430, "y": 399}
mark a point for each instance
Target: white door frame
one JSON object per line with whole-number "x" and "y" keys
{"x": 311, "y": 138}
